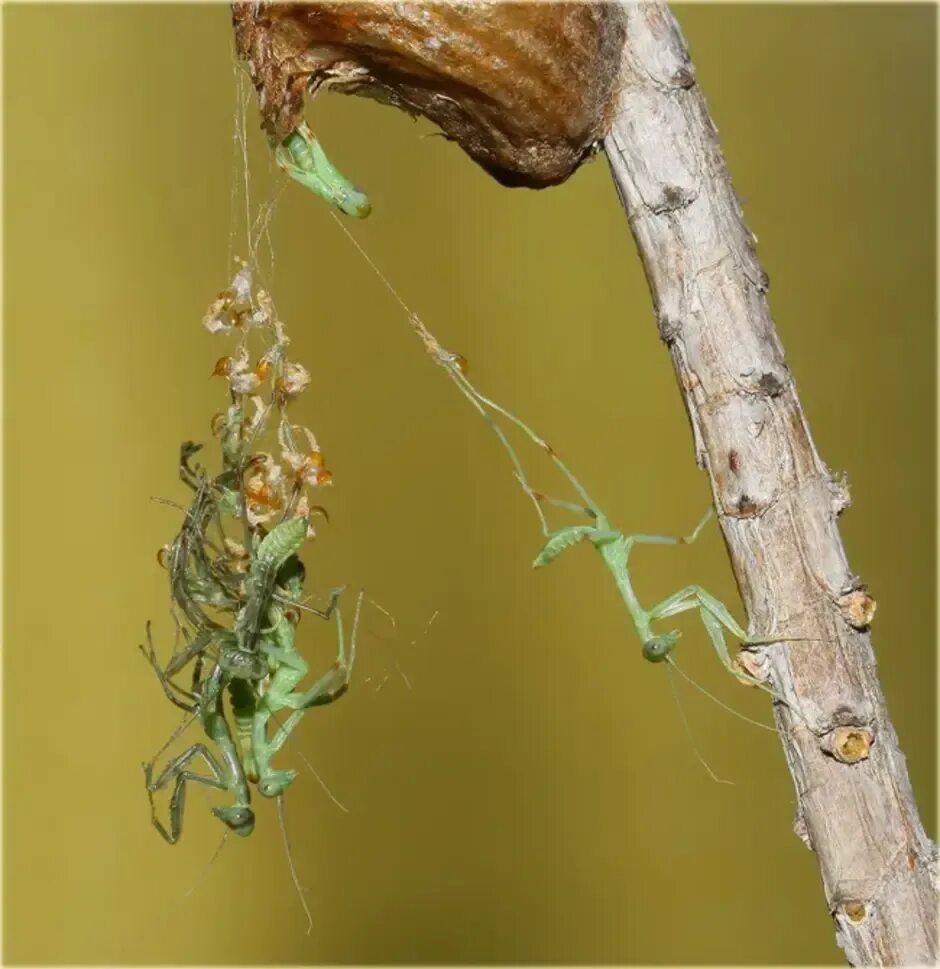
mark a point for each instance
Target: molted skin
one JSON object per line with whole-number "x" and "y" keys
{"x": 526, "y": 89}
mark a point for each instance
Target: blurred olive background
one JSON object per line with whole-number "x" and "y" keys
{"x": 534, "y": 797}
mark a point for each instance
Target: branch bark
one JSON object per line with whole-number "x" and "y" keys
{"x": 777, "y": 502}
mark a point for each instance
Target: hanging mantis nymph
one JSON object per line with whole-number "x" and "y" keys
{"x": 236, "y": 555}
{"x": 301, "y": 157}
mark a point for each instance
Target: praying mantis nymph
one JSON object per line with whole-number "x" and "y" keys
{"x": 613, "y": 545}
{"x": 301, "y": 156}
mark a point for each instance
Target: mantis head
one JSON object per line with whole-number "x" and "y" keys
{"x": 276, "y": 783}
{"x": 658, "y": 648}
{"x": 239, "y": 818}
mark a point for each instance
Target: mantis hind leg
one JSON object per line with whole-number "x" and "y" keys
{"x": 177, "y": 698}
{"x": 194, "y": 650}
{"x": 674, "y": 539}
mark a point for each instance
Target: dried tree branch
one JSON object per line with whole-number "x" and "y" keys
{"x": 778, "y": 504}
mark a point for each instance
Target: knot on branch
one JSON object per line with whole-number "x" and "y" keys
{"x": 684, "y": 76}
{"x": 672, "y": 198}
{"x": 766, "y": 383}
{"x": 854, "y": 911}
{"x": 849, "y": 744}
{"x": 857, "y": 607}
{"x": 839, "y": 493}
{"x": 669, "y": 327}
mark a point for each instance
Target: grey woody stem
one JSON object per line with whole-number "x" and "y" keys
{"x": 777, "y": 502}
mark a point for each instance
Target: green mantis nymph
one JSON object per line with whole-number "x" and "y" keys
{"x": 207, "y": 705}
{"x": 288, "y": 669}
{"x": 614, "y": 546}
{"x": 301, "y": 156}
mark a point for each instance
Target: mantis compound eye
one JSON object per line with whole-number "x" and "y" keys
{"x": 276, "y": 783}
{"x": 658, "y": 648}
{"x": 239, "y": 819}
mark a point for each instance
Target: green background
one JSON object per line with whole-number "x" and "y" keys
{"x": 534, "y": 797}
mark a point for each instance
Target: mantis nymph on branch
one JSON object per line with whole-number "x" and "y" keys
{"x": 614, "y": 546}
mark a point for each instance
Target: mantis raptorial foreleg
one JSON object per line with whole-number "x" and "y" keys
{"x": 715, "y": 617}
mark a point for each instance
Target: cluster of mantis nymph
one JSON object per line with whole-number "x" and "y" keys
{"x": 236, "y": 582}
